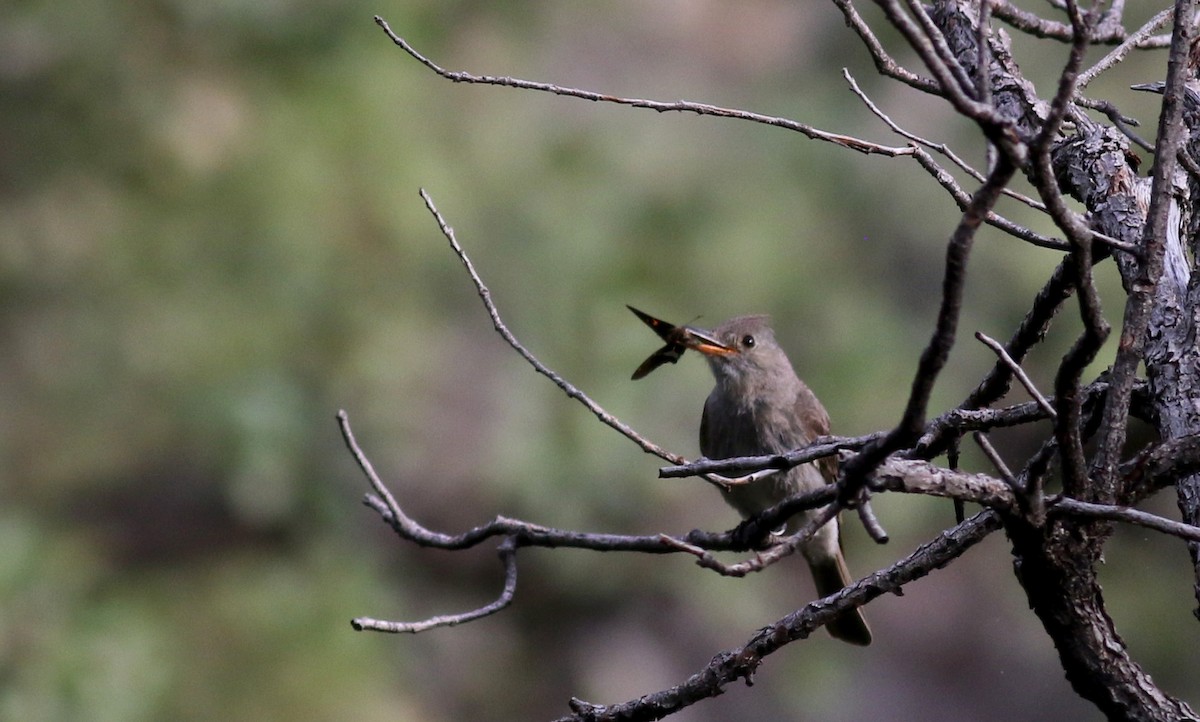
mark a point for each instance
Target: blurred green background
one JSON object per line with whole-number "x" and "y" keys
{"x": 211, "y": 240}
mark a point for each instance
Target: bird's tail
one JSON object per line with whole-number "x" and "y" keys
{"x": 831, "y": 575}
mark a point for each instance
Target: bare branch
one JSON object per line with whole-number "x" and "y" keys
{"x": 1156, "y": 42}
{"x": 1143, "y": 291}
{"x": 508, "y": 555}
{"x": 933, "y": 358}
{"x": 1096, "y": 329}
{"x": 933, "y": 53}
{"x": 820, "y": 448}
{"x": 1018, "y": 372}
{"x": 870, "y": 522}
{"x": 883, "y": 62}
{"x": 682, "y": 106}
{"x": 947, "y": 181}
{"x": 997, "y": 461}
{"x": 983, "y": 60}
{"x": 728, "y": 667}
{"x": 962, "y": 199}
{"x": 912, "y": 476}
{"x": 397, "y": 518}
{"x": 1066, "y": 505}
{"x": 527, "y": 533}
{"x": 784, "y": 548}
{"x": 1057, "y": 289}
{"x": 1122, "y": 123}
{"x": 1040, "y": 27}
{"x": 1161, "y": 465}
{"x": 933, "y": 35}
{"x": 954, "y": 422}
{"x": 1117, "y": 54}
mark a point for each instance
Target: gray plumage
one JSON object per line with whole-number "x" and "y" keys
{"x": 759, "y": 406}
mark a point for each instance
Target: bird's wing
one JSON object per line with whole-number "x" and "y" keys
{"x": 813, "y": 417}
{"x": 707, "y": 447}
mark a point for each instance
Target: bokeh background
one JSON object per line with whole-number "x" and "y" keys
{"x": 211, "y": 241}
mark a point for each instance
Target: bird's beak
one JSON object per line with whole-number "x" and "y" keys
{"x": 704, "y": 342}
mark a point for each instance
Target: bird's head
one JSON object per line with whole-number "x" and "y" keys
{"x": 742, "y": 351}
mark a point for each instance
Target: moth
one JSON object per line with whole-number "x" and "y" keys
{"x": 678, "y": 338}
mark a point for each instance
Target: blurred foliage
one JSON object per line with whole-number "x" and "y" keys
{"x": 210, "y": 240}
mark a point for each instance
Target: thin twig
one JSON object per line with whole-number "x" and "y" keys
{"x": 820, "y": 447}
{"x": 508, "y": 555}
{"x": 681, "y": 106}
{"x": 993, "y": 456}
{"x": 398, "y": 519}
{"x": 952, "y": 422}
{"x": 570, "y": 390}
{"x": 1132, "y": 249}
{"x": 931, "y": 52}
{"x": 884, "y": 63}
{"x": 1057, "y": 289}
{"x": 786, "y": 547}
{"x": 1066, "y": 505}
{"x": 1019, "y": 372}
{"x": 1117, "y": 54}
{"x": 870, "y": 522}
{"x": 1034, "y": 478}
{"x": 384, "y": 503}
{"x": 962, "y": 199}
{"x": 1123, "y": 123}
{"x": 940, "y": 148}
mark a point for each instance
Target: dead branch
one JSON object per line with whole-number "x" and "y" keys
{"x": 682, "y": 106}
{"x": 741, "y": 663}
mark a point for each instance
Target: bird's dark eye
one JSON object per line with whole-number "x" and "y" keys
{"x": 748, "y": 341}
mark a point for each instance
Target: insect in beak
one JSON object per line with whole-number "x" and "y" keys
{"x": 679, "y": 339}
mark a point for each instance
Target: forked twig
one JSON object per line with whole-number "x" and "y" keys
{"x": 941, "y": 148}
{"x": 785, "y": 547}
{"x": 1040, "y": 27}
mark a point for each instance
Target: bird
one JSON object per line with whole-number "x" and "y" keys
{"x": 759, "y": 406}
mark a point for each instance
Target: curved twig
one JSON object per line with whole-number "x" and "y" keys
{"x": 508, "y": 555}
